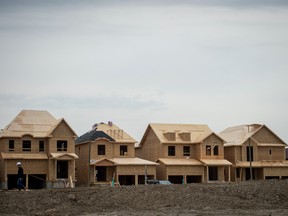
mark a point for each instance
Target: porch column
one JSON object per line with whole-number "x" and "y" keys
{"x": 207, "y": 174}
{"x": 136, "y": 179}
{"x": 27, "y": 183}
{"x": 91, "y": 173}
{"x": 229, "y": 173}
{"x": 71, "y": 169}
{"x": 5, "y": 175}
{"x": 94, "y": 175}
{"x": 55, "y": 169}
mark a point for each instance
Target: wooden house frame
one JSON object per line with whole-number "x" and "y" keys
{"x": 258, "y": 144}
{"x": 107, "y": 156}
{"x": 187, "y": 153}
{"x": 44, "y": 146}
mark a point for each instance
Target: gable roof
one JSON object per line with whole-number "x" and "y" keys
{"x": 109, "y": 131}
{"x": 93, "y": 135}
{"x": 35, "y": 123}
{"x": 132, "y": 161}
{"x": 179, "y": 161}
{"x": 123, "y": 161}
{"x": 212, "y": 133}
{"x": 237, "y": 135}
{"x": 196, "y": 132}
{"x": 64, "y": 155}
{"x": 58, "y": 123}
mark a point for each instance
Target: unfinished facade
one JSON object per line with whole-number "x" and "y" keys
{"x": 107, "y": 155}
{"x": 259, "y": 145}
{"x": 186, "y": 153}
{"x": 44, "y": 146}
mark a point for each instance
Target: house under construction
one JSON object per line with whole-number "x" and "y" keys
{"x": 44, "y": 146}
{"x": 107, "y": 156}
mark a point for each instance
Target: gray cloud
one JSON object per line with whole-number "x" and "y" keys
{"x": 68, "y": 4}
{"x": 136, "y": 62}
{"x": 95, "y": 102}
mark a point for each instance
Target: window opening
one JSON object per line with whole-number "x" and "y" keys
{"x": 11, "y": 145}
{"x": 123, "y": 150}
{"x": 26, "y": 145}
{"x": 216, "y": 148}
{"x": 41, "y": 146}
{"x": 186, "y": 150}
{"x": 171, "y": 150}
{"x": 208, "y": 150}
{"x": 247, "y": 150}
{"x": 61, "y": 145}
{"x": 101, "y": 149}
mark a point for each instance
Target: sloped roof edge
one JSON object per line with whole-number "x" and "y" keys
{"x": 57, "y": 124}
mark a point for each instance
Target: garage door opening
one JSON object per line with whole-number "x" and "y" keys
{"x": 126, "y": 179}
{"x": 12, "y": 181}
{"x": 194, "y": 179}
{"x": 141, "y": 178}
{"x": 36, "y": 181}
{"x": 175, "y": 179}
{"x": 272, "y": 177}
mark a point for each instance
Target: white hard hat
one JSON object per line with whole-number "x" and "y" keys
{"x": 18, "y": 163}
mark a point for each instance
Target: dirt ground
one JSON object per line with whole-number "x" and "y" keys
{"x": 268, "y": 197}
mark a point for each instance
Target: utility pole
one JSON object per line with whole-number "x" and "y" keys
{"x": 89, "y": 156}
{"x": 91, "y": 133}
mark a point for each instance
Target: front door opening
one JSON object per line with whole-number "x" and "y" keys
{"x": 62, "y": 169}
{"x": 101, "y": 173}
{"x": 213, "y": 173}
{"x": 247, "y": 173}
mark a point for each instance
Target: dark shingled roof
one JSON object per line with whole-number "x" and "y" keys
{"x": 93, "y": 135}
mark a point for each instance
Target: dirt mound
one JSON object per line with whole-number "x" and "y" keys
{"x": 247, "y": 198}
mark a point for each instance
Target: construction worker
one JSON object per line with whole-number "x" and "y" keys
{"x": 20, "y": 177}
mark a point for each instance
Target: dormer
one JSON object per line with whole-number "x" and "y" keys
{"x": 170, "y": 136}
{"x": 185, "y": 136}
{"x": 253, "y": 127}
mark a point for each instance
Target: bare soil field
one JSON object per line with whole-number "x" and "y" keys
{"x": 268, "y": 197}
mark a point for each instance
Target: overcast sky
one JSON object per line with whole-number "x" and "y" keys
{"x": 215, "y": 62}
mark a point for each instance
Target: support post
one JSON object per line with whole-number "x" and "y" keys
{"x": 250, "y": 160}
{"x": 89, "y": 158}
{"x": 229, "y": 173}
{"x": 27, "y": 183}
{"x": 145, "y": 175}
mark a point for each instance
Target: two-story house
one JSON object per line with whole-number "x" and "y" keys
{"x": 255, "y": 151}
{"x": 107, "y": 154}
{"x": 44, "y": 146}
{"x": 187, "y": 153}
